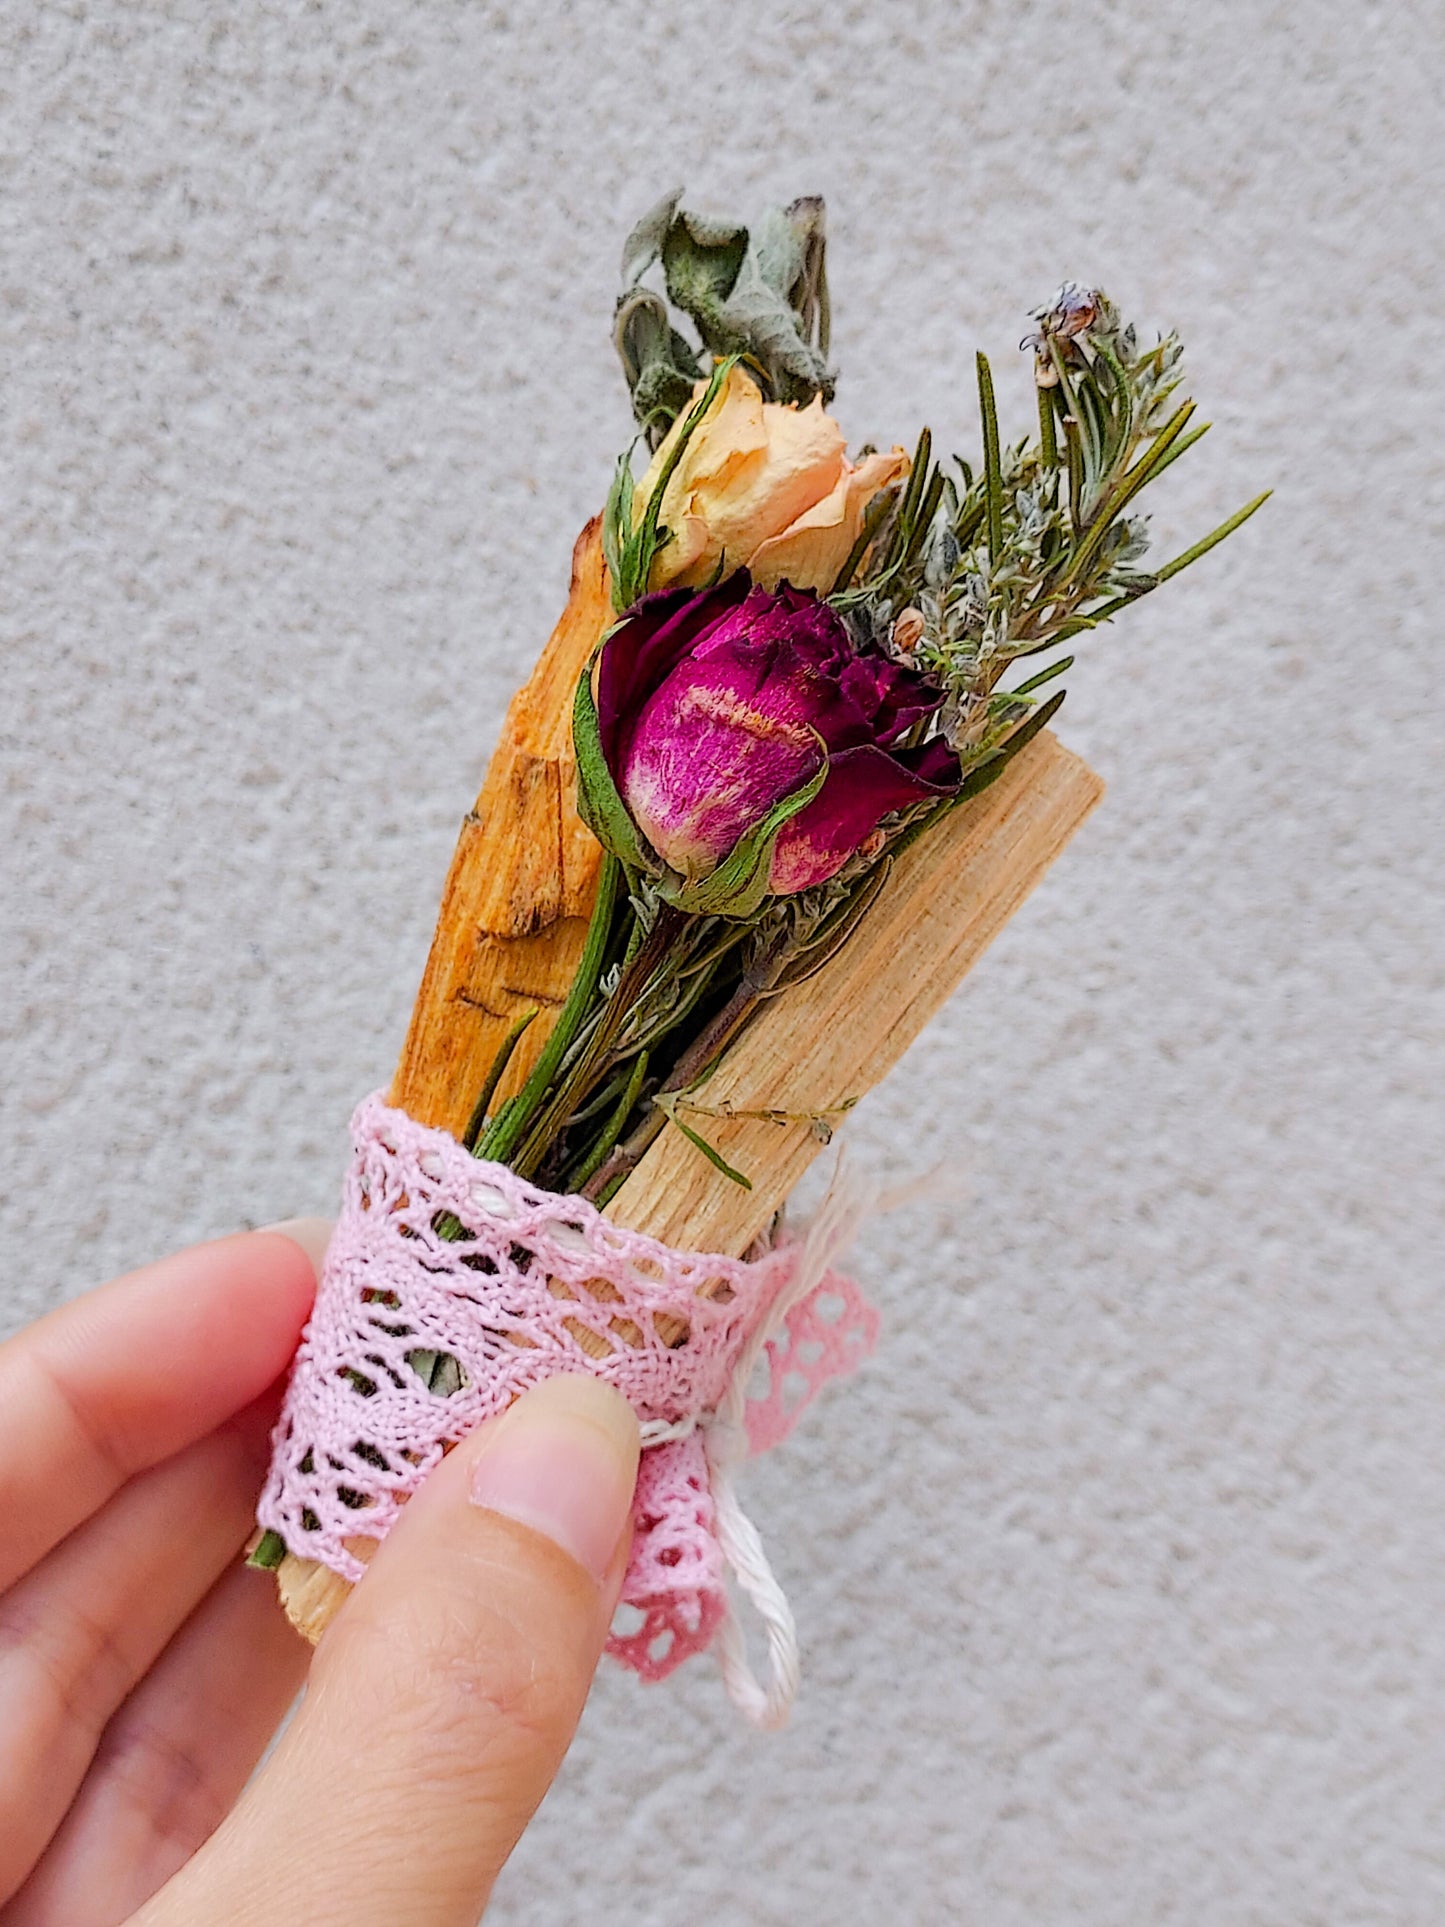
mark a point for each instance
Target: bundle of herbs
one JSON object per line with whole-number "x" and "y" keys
{"x": 773, "y": 749}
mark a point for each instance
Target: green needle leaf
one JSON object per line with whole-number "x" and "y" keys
{"x": 992, "y": 466}
{"x": 494, "y": 1077}
{"x": 667, "y": 1104}
{"x": 1237, "y": 520}
{"x": 994, "y": 765}
{"x": 504, "y": 1133}
{"x": 1048, "y": 436}
{"x": 1044, "y": 675}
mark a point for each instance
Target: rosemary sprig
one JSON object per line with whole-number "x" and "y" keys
{"x": 1044, "y": 543}
{"x": 990, "y": 566}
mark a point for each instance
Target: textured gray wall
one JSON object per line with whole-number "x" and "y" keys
{"x": 1120, "y": 1569}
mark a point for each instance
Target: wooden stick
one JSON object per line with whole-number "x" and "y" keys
{"x": 815, "y": 1050}
{"x": 809, "y": 1053}
{"x": 514, "y": 910}
{"x": 508, "y": 937}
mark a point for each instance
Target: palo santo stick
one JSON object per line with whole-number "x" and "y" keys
{"x": 508, "y": 937}
{"x": 514, "y": 911}
{"x": 815, "y": 1050}
{"x": 809, "y": 1052}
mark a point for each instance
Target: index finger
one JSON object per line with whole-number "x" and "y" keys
{"x": 120, "y": 1379}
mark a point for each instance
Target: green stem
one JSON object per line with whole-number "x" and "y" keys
{"x": 611, "y": 1130}
{"x": 494, "y": 1077}
{"x": 581, "y": 1075}
{"x": 504, "y": 1133}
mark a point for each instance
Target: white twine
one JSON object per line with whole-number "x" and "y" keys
{"x": 658, "y": 1431}
{"x": 725, "y": 1441}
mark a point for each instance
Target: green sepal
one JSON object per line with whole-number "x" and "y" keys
{"x": 617, "y": 518}
{"x": 633, "y": 550}
{"x": 737, "y": 886}
{"x": 598, "y": 803}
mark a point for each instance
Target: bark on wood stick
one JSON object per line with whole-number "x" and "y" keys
{"x": 810, "y": 1052}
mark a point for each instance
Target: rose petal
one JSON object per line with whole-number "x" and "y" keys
{"x": 654, "y": 636}
{"x": 725, "y": 737}
{"x": 862, "y": 787}
{"x": 750, "y": 469}
{"x": 810, "y": 551}
{"x": 712, "y": 708}
{"x": 934, "y": 763}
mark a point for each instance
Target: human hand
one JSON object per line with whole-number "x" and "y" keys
{"x": 143, "y": 1669}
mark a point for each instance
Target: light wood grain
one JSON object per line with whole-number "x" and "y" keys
{"x": 512, "y": 922}
{"x": 818, "y": 1048}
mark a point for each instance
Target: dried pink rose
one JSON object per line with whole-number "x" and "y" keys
{"x": 712, "y": 709}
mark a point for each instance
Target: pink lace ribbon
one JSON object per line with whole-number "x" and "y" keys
{"x": 418, "y": 1337}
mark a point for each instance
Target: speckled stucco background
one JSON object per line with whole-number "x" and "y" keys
{"x": 1122, "y": 1568}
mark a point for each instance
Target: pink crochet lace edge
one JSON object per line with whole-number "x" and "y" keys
{"x": 417, "y": 1337}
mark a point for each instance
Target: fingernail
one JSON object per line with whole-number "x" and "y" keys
{"x": 563, "y": 1461}
{"x": 312, "y": 1234}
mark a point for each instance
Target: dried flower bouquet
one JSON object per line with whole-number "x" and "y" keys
{"x": 776, "y": 781}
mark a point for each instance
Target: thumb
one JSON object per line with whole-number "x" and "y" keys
{"x": 444, "y": 1696}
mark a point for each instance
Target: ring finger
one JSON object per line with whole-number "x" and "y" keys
{"x": 80, "y": 1629}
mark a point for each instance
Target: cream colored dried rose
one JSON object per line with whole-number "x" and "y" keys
{"x": 762, "y": 486}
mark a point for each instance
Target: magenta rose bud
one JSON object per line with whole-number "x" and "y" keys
{"x": 714, "y": 708}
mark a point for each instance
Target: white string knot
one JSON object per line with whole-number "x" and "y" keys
{"x": 661, "y": 1431}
